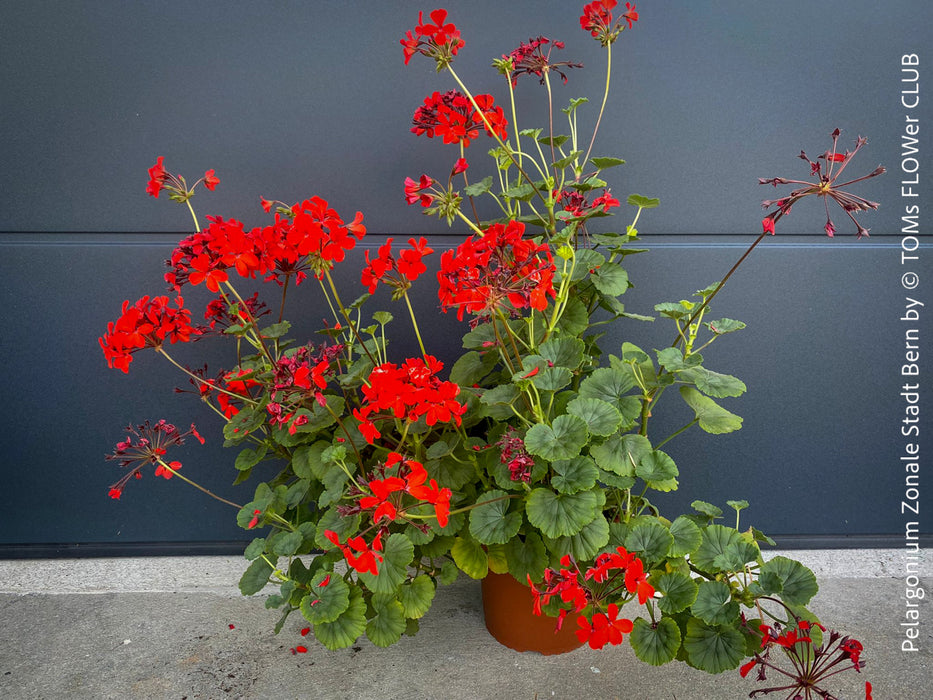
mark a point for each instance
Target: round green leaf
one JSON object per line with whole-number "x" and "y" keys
{"x": 490, "y": 521}
{"x": 397, "y": 555}
{"x": 526, "y": 557}
{"x": 470, "y": 556}
{"x": 388, "y": 625}
{"x": 347, "y": 628}
{"x": 563, "y": 352}
{"x": 562, "y": 440}
{"x": 713, "y": 649}
{"x": 586, "y": 544}
{"x": 608, "y": 384}
{"x": 560, "y": 514}
{"x": 655, "y": 644}
{"x": 716, "y": 541}
{"x": 798, "y": 582}
{"x": 325, "y": 603}
{"x": 680, "y": 591}
{"x": 713, "y": 383}
{"x": 620, "y": 454}
{"x": 658, "y": 471}
{"x": 572, "y": 475}
{"x": 714, "y": 603}
{"x": 687, "y": 537}
{"x": 601, "y": 418}
{"x": 651, "y": 540}
{"x": 610, "y": 279}
{"x": 255, "y": 577}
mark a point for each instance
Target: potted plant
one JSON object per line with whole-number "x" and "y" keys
{"x": 531, "y": 457}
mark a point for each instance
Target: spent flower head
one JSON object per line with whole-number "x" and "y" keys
{"x": 826, "y": 170}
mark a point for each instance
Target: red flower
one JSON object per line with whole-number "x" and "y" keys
{"x": 636, "y": 580}
{"x": 747, "y": 667}
{"x": 414, "y": 191}
{"x": 604, "y": 628}
{"x": 148, "y": 323}
{"x": 210, "y": 180}
{"x": 157, "y": 176}
{"x": 396, "y": 273}
{"x": 359, "y": 555}
{"x": 409, "y": 391}
{"x": 439, "y": 41}
{"x": 498, "y": 269}
{"x": 453, "y": 117}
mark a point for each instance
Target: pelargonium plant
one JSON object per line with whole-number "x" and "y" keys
{"x": 532, "y": 453}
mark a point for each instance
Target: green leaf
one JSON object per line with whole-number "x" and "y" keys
{"x": 575, "y": 318}
{"x": 798, "y": 582}
{"x": 480, "y": 188}
{"x": 347, "y": 628}
{"x": 470, "y": 556}
{"x": 397, "y": 555}
{"x": 658, "y": 470}
{"x": 655, "y": 644}
{"x": 288, "y": 543}
{"x": 560, "y": 514}
{"x": 573, "y": 475}
{"x": 523, "y": 192}
{"x": 276, "y": 330}
{"x": 562, "y": 440}
{"x": 388, "y": 625}
{"x": 607, "y": 384}
{"x": 651, "y": 540}
{"x": 707, "y": 509}
{"x": 679, "y": 590}
{"x": 490, "y": 520}
{"x": 713, "y": 649}
{"x": 716, "y": 541}
{"x": 584, "y": 545}
{"x": 555, "y": 141}
{"x": 563, "y": 352}
{"x": 714, "y": 603}
{"x": 637, "y": 200}
{"x": 712, "y": 417}
{"x": 600, "y": 417}
{"x": 325, "y": 603}
{"x": 472, "y": 367}
{"x": 620, "y": 455}
{"x": 724, "y": 325}
{"x": 526, "y": 558}
{"x": 416, "y": 596}
{"x": 255, "y": 577}
{"x": 344, "y": 526}
{"x": 255, "y": 548}
{"x": 713, "y": 383}
{"x": 687, "y": 537}
{"x": 603, "y": 163}
{"x": 249, "y": 458}
{"x": 611, "y": 279}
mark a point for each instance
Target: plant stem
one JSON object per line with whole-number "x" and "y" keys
{"x": 167, "y": 468}
{"x": 603, "y": 106}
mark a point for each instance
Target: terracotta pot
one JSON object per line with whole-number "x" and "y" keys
{"x": 507, "y": 606}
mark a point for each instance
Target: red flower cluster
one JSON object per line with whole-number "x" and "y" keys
{"x": 361, "y": 556}
{"x": 597, "y": 20}
{"x": 145, "y": 324}
{"x": 160, "y": 178}
{"x": 409, "y": 391}
{"x": 484, "y": 273}
{"x": 439, "y": 41}
{"x": 413, "y": 482}
{"x": 572, "y": 586}
{"x": 397, "y": 273}
{"x": 452, "y": 116}
{"x": 314, "y": 236}
{"x": 148, "y": 444}
{"x": 516, "y": 456}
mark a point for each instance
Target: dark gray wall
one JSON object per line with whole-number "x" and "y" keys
{"x": 290, "y": 99}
